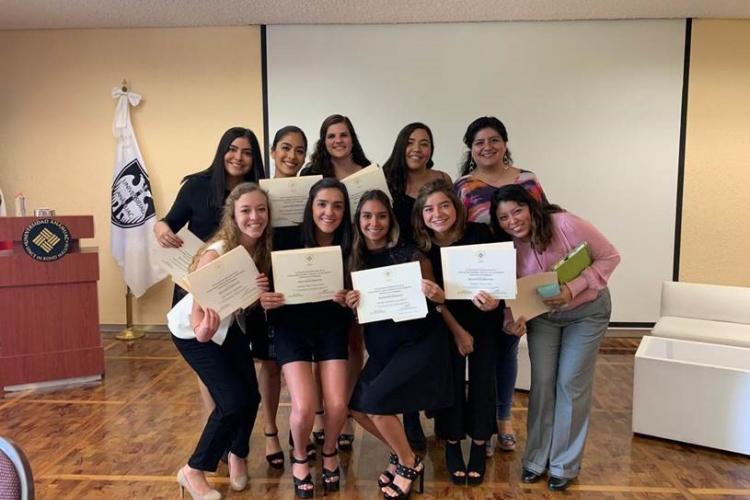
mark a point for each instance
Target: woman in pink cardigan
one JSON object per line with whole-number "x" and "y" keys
{"x": 564, "y": 342}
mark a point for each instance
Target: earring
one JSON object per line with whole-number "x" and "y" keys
{"x": 472, "y": 165}
{"x": 506, "y": 158}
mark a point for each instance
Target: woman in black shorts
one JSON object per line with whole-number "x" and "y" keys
{"x": 315, "y": 332}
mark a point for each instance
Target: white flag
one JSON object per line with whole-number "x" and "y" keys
{"x": 133, "y": 211}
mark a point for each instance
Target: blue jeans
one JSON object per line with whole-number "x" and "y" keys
{"x": 562, "y": 349}
{"x": 506, "y": 368}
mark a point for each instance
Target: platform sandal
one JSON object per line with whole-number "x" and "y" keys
{"x": 477, "y": 464}
{"x": 331, "y": 478}
{"x": 275, "y": 460}
{"x": 388, "y": 475}
{"x": 300, "y": 489}
{"x": 410, "y": 473}
{"x": 345, "y": 441}
{"x": 454, "y": 462}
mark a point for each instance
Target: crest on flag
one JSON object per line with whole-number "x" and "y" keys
{"x": 132, "y": 209}
{"x": 132, "y": 203}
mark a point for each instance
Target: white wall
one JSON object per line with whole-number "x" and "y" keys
{"x": 592, "y": 107}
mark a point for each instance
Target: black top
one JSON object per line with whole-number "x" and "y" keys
{"x": 402, "y": 208}
{"x": 318, "y": 314}
{"x": 308, "y": 170}
{"x": 193, "y": 207}
{"x": 464, "y": 311}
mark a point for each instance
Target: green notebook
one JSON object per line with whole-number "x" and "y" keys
{"x": 573, "y": 264}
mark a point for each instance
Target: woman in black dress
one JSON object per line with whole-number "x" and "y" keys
{"x": 408, "y": 169}
{"x": 408, "y": 365}
{"x": 440, "y": 221}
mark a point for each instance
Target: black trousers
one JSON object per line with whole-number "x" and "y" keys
{"x": 473, "y": 412}
{"x": 227, "y": 371}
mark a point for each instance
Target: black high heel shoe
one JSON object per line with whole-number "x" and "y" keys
{"x": 477, "y": 464}
{"x": 410, "y": 473}
{"x": 319, "y": 437}
{"x": 345, "y": 441}
{"x": 331, "y": 478}
{"x": 275, "y": 460}
{"x": 310, "y": 449}
{"x": 305, "y": 481}
{"x": 454, "y": 462}
{"x": 393, "y": 460}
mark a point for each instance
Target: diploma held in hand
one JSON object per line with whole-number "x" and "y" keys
{"x": 176, "y": 261}
{"x": 308, "y": 274}
{"x": 370, "y": 177}
{"x": 288, "y": 197}
{"x": 227, "y": 283}
{"x": 467, "y": 269}
{"x": 528, "y": 303}
{"x": 390, "y": 292}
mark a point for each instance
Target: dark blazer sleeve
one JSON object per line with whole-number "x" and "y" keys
{"x": 181, "y": 210}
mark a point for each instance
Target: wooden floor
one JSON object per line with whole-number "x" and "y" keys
{"x": 128, "y": 436}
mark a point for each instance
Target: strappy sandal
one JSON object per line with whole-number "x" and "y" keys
{"x": 299, "y": 484}
{"x": 477, "y": 464}
{"x": 410, "y": 473}
{"x": 331, "y": 478}
{"x": 319, "y": 436}
{"x": 345, "y": 441}
{"x": 454, "y": 462}
{"x": 310, "y": 449}
{"x": 388, "y": 475}
{"x": 275, "y": 460}
{"x": 506, "y": 442}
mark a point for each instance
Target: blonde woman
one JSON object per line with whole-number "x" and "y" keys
{"x": 218, "y": 350}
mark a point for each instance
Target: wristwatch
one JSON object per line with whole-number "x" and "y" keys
{"x": 439, "y": 307}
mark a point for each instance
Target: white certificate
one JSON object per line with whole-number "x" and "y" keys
{"x": 528, "y": 303}
{"x": 491, "y": 267}
{"x": 176, "y": 261}
{"x": 288, "y": 197}
{"x": 370, "y": 177}
{"x": 308, "y": 274}
{"x": 227, "y": 283}
{"x": 390, "y": 292}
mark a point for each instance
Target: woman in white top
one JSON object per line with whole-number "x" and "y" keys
{"x": 219, "y": 351}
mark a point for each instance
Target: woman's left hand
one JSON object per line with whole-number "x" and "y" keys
{"x": 485, "y": 302}
{"x": 561, "y": 300}
{"x": 262, "y": 282}
{"x": 340, "y": 298}
{"x": 432, "y": 291}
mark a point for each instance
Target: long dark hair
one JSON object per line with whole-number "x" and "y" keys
{"x": 359, "y": 247}
{"x": 471, "y": 132}
{"x": 343, "y": 234}
{"x": 423, "y": 234}
{"x": 216, "y": 170}
{"x": 320, "y": 160}
{"x": 395, "y": 166}
{"x": 541, "y": 216}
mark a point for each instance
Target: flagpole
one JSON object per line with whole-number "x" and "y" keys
{"x": 129, "y": 333}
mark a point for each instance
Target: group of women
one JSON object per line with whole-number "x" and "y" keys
{"x": 412, "y": 366}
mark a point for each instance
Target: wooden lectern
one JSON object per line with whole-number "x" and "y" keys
{"x": 49, "y": 313}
